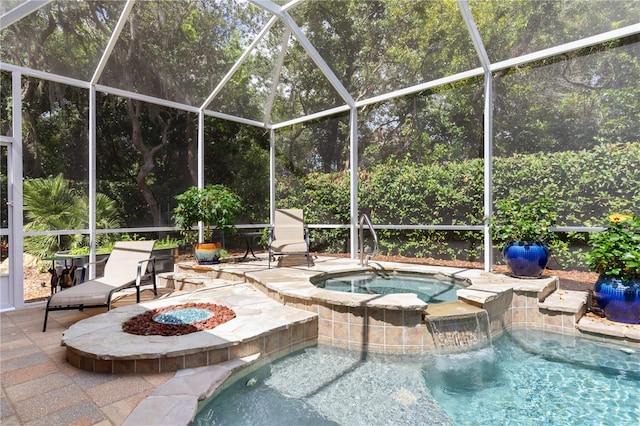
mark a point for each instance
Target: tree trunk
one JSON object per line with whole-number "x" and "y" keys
{"x": 133, "y": 108}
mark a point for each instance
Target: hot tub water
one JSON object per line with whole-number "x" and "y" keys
{"x": 428, "y": 288}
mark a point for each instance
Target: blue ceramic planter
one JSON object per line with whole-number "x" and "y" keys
{"x": 620, "y": 300}
{"x": 207, "y": 253}
{"x": 526, "y": 259}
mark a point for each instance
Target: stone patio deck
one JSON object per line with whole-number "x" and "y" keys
{"x": 275, "y": 316}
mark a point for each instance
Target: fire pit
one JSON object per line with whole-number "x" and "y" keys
{"x": 178, "y": 320}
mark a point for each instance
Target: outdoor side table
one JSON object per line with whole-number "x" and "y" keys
{"x": 69, "y": 262}
{"x": 250, "y": 239}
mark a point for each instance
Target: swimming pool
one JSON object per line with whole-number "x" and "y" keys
{"x": 525, "y": 377}
{"x": 429, "y": 289}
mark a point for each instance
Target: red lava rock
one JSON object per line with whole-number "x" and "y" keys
{"x": 144, "y": 325}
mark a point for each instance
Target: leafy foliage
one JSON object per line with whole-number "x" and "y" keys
{"x": 615, "y": 252}
{"x": 167, "y": 242}
{"x": 54, "y": 204}
{"x": 421, "y": 155}
{"x": 214, "y": 205}
{"x": 581, "y": 184}
{"x": 518, "y": 220}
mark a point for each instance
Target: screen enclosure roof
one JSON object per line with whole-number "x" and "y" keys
{"x": 275, "y": 63}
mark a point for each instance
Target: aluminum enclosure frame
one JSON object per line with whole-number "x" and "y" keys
{"x": 279, "y": 13}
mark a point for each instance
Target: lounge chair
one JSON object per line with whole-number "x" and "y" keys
{"x": 289, "y": 235}
{"x": 125, "y": 267}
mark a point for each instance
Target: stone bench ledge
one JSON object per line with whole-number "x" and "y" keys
{"x": 565, "y": 301}
{"x": 609, "y": 328}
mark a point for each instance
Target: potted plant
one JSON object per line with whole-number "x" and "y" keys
{"x": 216, "y": 206}
{"x": 615, "y": 255}
{"x": 523, "y": 230}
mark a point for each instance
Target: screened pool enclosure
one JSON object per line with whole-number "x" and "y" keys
{"x": 418, "y": 113}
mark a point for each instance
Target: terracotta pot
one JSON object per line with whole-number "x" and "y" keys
{"x": 207, "y": 253}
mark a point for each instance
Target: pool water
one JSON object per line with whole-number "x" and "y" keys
{"x": 525, "y": 378}
{"x": 428, "y": 289}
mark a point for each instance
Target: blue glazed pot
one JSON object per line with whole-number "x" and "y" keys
{"x": 620, "y": 300}
{"x": 526, "y": 259}
{"x": 207, "y": 253}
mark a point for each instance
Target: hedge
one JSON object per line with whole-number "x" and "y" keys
{"x": 588, "y": 185}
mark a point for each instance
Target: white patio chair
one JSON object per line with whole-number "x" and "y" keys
{"x": 289, "y": 235}
{"x": 125, "y": 267}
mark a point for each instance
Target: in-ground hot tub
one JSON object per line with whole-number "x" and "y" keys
{"x": 388, "y": 314}
{"x": 429, "y": 288}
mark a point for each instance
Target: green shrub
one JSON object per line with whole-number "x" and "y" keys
{"x": 615, "y": 251}
{"x": 585, "y": 185}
